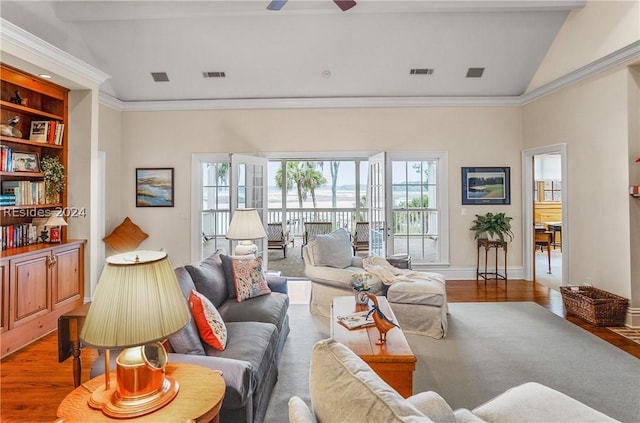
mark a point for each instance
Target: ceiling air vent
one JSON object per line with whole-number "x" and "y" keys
{"x": 213, "y": 74}
{"x": 475, "y": 72}
{"x": 160, "y": 76}
{"x": 424, "y": 71}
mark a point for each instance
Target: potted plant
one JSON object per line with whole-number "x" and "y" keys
{"x": 53, "y": 178}
{"x": 492, "y": 225}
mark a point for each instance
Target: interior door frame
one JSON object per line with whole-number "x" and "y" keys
{"x": 527, "y": 207}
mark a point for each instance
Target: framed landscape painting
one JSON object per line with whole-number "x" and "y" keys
{"x": 486, "y": 185}
{"x": 154, "y": 187}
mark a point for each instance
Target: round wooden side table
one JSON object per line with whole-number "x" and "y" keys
{"x": 199, "y": 398}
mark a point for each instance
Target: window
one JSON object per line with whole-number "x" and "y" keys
{"x": 416, "y": 209}
{"x": 548, "y": 190}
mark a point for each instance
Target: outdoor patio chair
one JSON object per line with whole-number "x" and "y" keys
{"x": 278, "y": 238}
{"x": 360, "y": 238}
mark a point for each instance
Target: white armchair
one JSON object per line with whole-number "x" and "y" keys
{"x": 330, "y": 264}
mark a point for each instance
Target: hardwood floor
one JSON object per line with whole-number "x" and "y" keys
{"x": 33, "y": 383}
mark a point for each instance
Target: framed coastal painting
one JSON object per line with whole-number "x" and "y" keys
{"x": 154, "y": 187}
{"x": 486, "y": 185}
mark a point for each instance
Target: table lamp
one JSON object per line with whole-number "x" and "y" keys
{"x": 137, "y": 302}
{"x": 54, "y": 224}
{"x": 245, "y": 226}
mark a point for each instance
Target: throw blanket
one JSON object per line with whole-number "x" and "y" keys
{"x": 389, "y": 274}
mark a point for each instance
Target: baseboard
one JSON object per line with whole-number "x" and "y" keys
{"x": 633, "y": 318}
{"x": 465, "y": 273}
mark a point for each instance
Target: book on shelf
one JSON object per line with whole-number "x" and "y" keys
{"x": 356, "y": 320}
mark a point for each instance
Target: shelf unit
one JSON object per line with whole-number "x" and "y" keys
{"x": 38, "y": 282}
{"x": 41, "y": 101}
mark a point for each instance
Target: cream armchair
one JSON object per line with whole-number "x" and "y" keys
{"x": 330, "y": 264}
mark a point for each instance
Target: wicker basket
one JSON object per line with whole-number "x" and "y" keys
{"x": 595, "y": 306}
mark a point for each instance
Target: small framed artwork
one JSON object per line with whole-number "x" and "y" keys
{"x": 154, "y": 187}
{"x": 486, "y": 185}
{"x": 25, "y": 162}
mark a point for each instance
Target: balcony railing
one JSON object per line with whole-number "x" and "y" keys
{"x": 215, "y": 223}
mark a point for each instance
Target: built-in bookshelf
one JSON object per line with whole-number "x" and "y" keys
{"x": 34, "y": 114}
{"x": 39, "y": 281}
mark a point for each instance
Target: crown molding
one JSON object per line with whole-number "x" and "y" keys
{"x": 624, "y": 55}
{"x": 308, "y": 103}
{"x": 618, "y": 57}
{"x": 13, "y": 34}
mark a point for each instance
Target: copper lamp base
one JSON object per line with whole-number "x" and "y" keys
{"x": 133, "y": 406}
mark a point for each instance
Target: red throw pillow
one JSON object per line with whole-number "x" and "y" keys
{"x": 210, "y": 325}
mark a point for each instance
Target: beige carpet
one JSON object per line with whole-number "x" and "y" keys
{"x": 489, "y": 348}
{"x": 632, "y": 334}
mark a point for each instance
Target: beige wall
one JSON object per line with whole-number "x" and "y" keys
{"x": 482, "y": 136}
{"x": 591, "y": 117}
{"x": 588, "y": 34}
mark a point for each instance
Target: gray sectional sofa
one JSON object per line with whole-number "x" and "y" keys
{"x": 257, "y": 329}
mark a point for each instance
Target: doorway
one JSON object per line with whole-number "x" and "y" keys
{"x": 545, "y": 218}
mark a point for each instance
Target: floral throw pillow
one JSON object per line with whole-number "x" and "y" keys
{"x": 248, "y": 278}
{"x": 210, "y": 325}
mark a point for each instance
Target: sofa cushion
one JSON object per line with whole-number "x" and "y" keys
{"x": 210, "y": 325}
{"x": 208, "y": 278}
{"x": 253, "y": 342}
{"x": 266, "y": 308}
{"x": 227, "y": 267}
{"x": 338, "y": 377}
{"x": 332, "y": 249}
{"x": 433, "y": 406}
{"x": 533, "y": 402}
{"x": 248, "y": 278}
{"x": 299, "y": 412}
{"x": 420, "y": 291}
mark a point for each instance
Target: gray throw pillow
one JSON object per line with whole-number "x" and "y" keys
{"x": 332, "y": 249}
{"x": 208, "y": 278}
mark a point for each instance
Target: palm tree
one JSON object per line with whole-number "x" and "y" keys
{"x": 306, "y": 178}
{"x": 334, "y": 182}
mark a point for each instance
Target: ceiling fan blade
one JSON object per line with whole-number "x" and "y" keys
{"x": 345, "y": 5}
{"x": 276, "y": 4}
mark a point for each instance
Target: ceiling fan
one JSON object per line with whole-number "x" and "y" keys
{"x": 344, "y": 5}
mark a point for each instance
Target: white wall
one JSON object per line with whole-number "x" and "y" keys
{"x": 591, "y": 117}
{"x": 489, "y": 136}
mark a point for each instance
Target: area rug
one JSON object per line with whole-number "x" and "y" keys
{"x": 632, "y": 334}
{"x": 489, "y": 348}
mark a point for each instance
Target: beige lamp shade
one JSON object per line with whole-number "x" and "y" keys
{"x": 246, "y": 224}
{"x": 56, "y": 220}
{"x": 137, "y": 301}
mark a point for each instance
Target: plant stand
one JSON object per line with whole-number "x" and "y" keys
{"x": 487, "y": 245}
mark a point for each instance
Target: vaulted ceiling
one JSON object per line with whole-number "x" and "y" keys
{"x": 308, "y": 49}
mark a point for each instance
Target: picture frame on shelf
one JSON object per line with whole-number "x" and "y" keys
{"x": 25, "y": 162}
{"x": 486, "y": 185}
{"x": 39, "y": 131}
{"x": 154, "y": 187}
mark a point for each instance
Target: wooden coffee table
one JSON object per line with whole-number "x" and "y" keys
{"x": 393, "y": 361}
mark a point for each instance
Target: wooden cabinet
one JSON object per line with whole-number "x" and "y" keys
{"x": 20, "y": 157}
{"x": 42, "y": 282}
{"x": 4, "y": 297}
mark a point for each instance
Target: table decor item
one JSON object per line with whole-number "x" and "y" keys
{"x": 360, "y": 285}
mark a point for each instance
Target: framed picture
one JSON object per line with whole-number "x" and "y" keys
{"x": 154, "y": 187}
{"x": 25, "y": 162}
{"x": 486, "y": 185}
